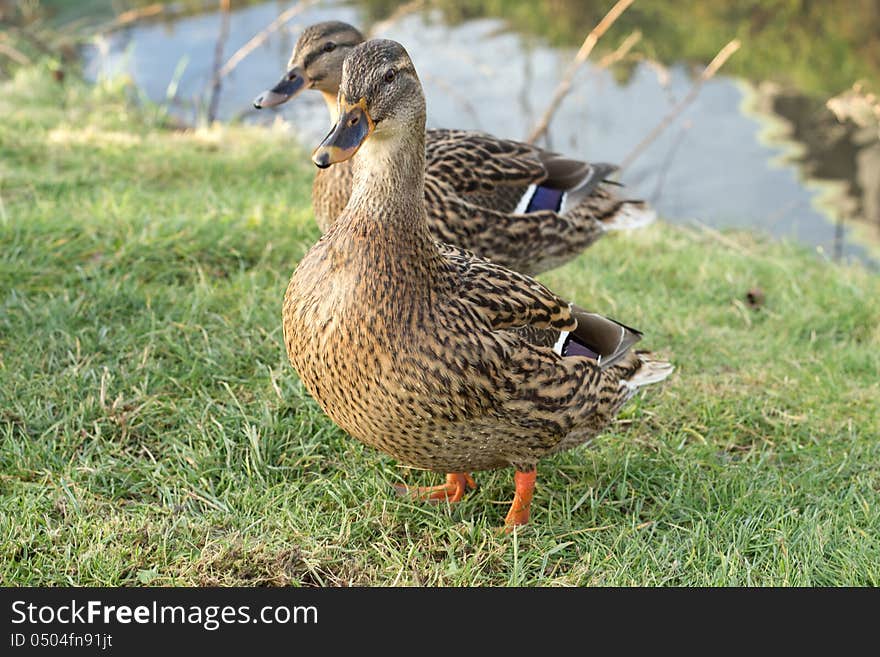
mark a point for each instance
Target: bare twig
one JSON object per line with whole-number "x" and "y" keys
{"x": 14, "y": 54}
{"x": 839, "y": 238}
{"x": 716, "y": 63}
{"x": 396, "y": 15}
{"x": 218, "y": 56}
{"x": 260, "y": 37}
{"x": 133, "y": 15}
{"x": 525, "y": 99}
{"x": 565, "y": 84}
{"x": 667, "y": 162}
{"x": 622, "y": 50}
{"x": 171, "y": 10}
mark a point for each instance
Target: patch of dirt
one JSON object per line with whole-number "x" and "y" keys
{"x": 242, "y": 565}
{"x": 239, "y": 564}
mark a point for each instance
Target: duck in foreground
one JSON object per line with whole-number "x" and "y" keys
{"x": 514, "y": 203}
{"x": 444, "y": 360}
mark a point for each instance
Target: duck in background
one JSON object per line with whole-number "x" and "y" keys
{"x": 511, "y": 202}
{"x": 440, "y": 358}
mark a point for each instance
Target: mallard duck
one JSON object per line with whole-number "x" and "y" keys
{"x": 440, "y": 358}
{"x": 514, "y": 203}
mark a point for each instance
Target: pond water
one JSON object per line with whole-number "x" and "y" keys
{"x": 744, "y": 154}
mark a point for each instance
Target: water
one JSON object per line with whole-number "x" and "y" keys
{"x": 741, "y": 155}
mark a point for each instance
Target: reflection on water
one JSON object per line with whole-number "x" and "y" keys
{"x": 841, "y": 155}
{"x": 727, "y": 161}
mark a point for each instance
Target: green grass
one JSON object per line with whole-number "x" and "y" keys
{"x": 152, "y": 431}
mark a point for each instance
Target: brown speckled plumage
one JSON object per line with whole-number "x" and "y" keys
{"x": 424, "y": 350}
{"x": 475, "y": 182}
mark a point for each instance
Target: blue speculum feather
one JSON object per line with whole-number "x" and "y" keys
{"x": 572, "y": 347}
{"x": 545, "y": 198}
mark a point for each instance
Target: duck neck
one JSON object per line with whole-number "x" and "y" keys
{"x": 388, "y": 185}
{"x": 332, "y": 106}
{"x": 385, "y": 217}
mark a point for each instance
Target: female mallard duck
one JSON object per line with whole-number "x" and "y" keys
{"x": 516, "y": 204}
{"x": 442, "y": 359}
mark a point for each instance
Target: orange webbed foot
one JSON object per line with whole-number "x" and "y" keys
{"x": 457, "y": 484}
{"x": 522, "y": 499}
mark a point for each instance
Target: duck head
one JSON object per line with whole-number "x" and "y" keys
{"x": 380, "y": 98}
{"x": 316, "y": 63}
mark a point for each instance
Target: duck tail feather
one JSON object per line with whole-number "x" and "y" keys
{"x": 650, "y": 370}
{"x": 630, "y": 216}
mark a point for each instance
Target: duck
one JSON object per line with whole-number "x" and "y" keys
{"x": 519, "y": 205}
{"x": 442, "y": 359}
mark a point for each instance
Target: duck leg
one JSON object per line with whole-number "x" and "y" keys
{"x": 522, "y": 498}
{"x": 457, "y": 484}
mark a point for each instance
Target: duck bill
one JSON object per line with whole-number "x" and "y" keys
{"x": 346, "y": 137}
{"x": 289, "y": 86}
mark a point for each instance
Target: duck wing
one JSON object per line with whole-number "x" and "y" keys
{"x": 508, "y": 175}
{"x": 504, "y": 298}
{"x": 507, "y": 300}
{"x": 478, "y": 163}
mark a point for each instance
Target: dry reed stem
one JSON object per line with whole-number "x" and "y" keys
{"x": 582, "y": 54}
{"x": 14, "y": 54}
{"x": 133, "y": 15}
{"x": 260, "y": 37}
{"x": 396, "y": 15}
{"x": 622, "y": 50}
{"x": 716, "y": 63}
{"x": 216, "y": 83}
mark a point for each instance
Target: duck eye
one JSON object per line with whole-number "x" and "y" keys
{"x": 389, "y": 75}
{"x": 329, "y": 46}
